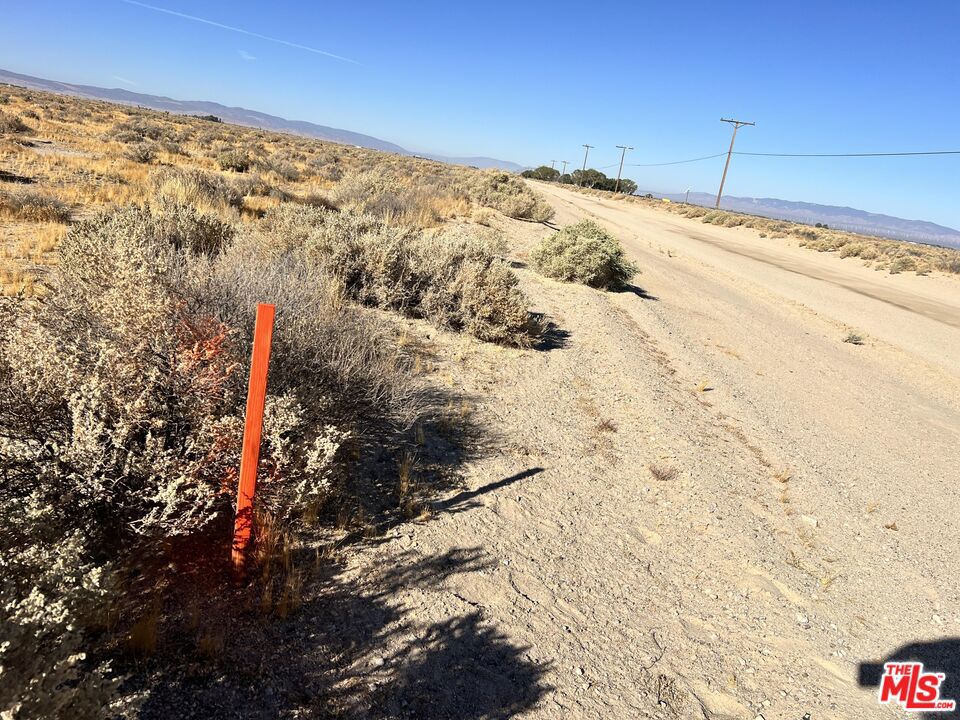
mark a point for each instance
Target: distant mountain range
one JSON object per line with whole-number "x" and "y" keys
{"x": 239, "y": 116}
{"x": 839, "y": 218}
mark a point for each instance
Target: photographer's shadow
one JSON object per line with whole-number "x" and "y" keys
{"x": 941, "y": 656}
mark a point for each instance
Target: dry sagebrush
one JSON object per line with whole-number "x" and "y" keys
{"x": 121, "y": 401}
{"x": 584, "y": 253}
{"x": 452, "y": 278}
{"x": 508, "y": 194}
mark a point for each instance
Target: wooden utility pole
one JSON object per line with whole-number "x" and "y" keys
{"x": 585, "y": 153}
{"x": 736, "y": 126}
{"x": 623, "y": 152}
{"x": 553, "y": 164}
{"x": 564, "y": 172}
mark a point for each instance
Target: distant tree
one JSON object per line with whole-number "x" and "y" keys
{"x": 627, "y": 186}
{"x": 542, "y": 173}
{"x": 589, "y": 178}
{"x": 565, "y": 179}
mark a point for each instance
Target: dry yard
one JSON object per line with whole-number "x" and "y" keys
{"x": 720, "y": 493}
{"x": 703, "y": 503}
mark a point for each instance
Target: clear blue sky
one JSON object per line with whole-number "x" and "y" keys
{"x": 533, "y": 81}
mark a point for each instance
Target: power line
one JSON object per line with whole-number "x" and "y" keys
{"x": 783, "y": 155}
{"x": 868, "y": 154}
{"x": 676, "y": 162}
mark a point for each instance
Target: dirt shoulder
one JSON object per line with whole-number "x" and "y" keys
{"x": 699, "y": 501}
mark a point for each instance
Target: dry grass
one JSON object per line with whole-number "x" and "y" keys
{"x": 607, "y": 425}
{"x": 663, "y": 473}
{"x": 31, "y": 206}
{"x": 893, "y": 256}
{"x": 90, "y": 155}
{"x": 783, "y": 476}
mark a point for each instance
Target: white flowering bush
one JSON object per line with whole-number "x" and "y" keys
{"x": 121, "y": 420}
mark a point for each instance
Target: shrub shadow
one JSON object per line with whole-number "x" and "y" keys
{"x": 14, "y": 178}
{"x": 345, "y": 651}
{"x": 552, "y": 336}
{"x": 344, "y": 654}
{"x": 638, "y": 291}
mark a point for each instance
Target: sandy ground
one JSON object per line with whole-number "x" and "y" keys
{"x": 799, "y": 520}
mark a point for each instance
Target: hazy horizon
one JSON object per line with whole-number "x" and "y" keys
{"x": 517, "y": 86}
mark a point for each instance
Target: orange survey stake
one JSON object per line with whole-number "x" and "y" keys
{"x": 252, "y": 430}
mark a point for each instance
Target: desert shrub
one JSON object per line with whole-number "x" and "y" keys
{"x": 4, "y": 98}
{"x": 902, "y": 264}
{"x": 455, "y": 280}
{"x": 49, "y": 592}
{"x": 584, "y": 253}
{"x": 852, "y": 249}
{"x": 135, "y": 130}
{"x": 32, "y": 206}
{"x": 330, "y": 173}
{"x": 280, "y": 164}
{"x": 183, "y": 227}
{"x": 417, "y": 203}
{"x": 141, "y": 153}
{"x": 172, "y": 147}
{"x": 235, "y": 160}
{"x": 373, "y": 192}
{"x": 252, "y": 184}
{"x": 12, "y": 124}
{"x": 322, "y": 160}
{"x": 317, "y": 200}
{"x": 508, "y": 194}
{"x": 205, "y": 191}
{"x": 121, "y": 415}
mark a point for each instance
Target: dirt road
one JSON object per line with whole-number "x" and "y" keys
{"x": 697, "y": 502}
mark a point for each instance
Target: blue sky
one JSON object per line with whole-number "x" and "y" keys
{"x": 533, "y": 81}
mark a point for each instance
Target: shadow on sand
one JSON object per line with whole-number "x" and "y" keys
{"x": 940, "y": 656}
{"x": 638, "y": 291}
{"x": 346, "y": 651}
